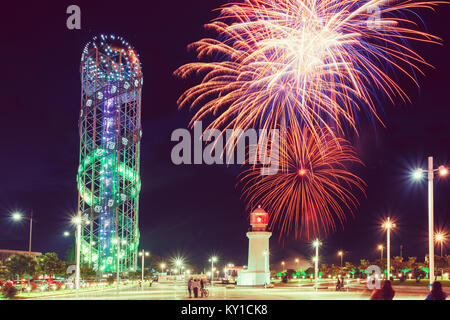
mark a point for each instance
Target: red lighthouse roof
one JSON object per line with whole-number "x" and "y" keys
{"x": 259, "y": 219}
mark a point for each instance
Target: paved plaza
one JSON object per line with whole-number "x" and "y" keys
{"x": 170, "y": 291}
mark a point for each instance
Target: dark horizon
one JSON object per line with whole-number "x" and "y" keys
{"x": 195, "y": 210}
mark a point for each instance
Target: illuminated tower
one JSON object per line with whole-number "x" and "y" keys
{"x": 108, "y": 175}
{"x": 258, "y": 271}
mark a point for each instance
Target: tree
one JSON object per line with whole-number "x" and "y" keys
{"x": 290, "y": 273}
{"x": 86, "y": 272}
{"x": 4, "y": 272}
{"x": 134, "y": 275}
{"x": 335, "y": 270}
{"x": 20, "y": 264}
{"x": 349, "y": 268}
{"x": 50, "y": 264}
{"x": 309, "y": 271}
{"x": 412, "y": 262}
{"x": 398, "y": 265}
{"x": 361, "y": 272}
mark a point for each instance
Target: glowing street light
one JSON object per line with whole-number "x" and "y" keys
{"x": 163, "y": 266}
{"x": 66, "y": 233}
{"x": 417, "y": 175}
{"x": 18, "y": 216}
{"x": 440, "y": 237}
{"x": 341, "y": 254}
{"x": 179, "y": 262}
{"x": 380, "y": 247}
{"x": 443, "y": 171}
{"x": 143, "y": 254}
{"x": 388, "y": 225}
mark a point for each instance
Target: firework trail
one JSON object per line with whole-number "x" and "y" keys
{"x": 302, "y": 63}
{"x": 314, "y": 187}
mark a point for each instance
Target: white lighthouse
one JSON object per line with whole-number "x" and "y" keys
{"x": 258, "y": 271}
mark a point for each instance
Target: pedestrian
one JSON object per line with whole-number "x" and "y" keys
{"x": 202, "y": 287}
{"x": 195, "y": 288}
{"x": 385, "y": 293}
{"x": 189, "y": 285}
{"x": 436, "y": 292}
{"x": 338, "y": 285}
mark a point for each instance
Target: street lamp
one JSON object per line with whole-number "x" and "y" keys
{"x": 440, "y": 237}
{"x": 18, "y": 216}
{"x": 341, "y": 254}
{"x": 282, "y": 264}
{"x": 179, "y": 264}
{"x": 66, "y": 233}
{"x": 77, "y": 221}
{"x": 388, "y": 225}
{"x": 163, "y": 266}
{"x": 418, "y": 175}
{"x": 316, "y": 244}
{"x": 380, "y": 247}
{"x": 212, "y": 260}
{"x": 143, "y": 254}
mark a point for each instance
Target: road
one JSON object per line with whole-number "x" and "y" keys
{"x": 170, "y": 291}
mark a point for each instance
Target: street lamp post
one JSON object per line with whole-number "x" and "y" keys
{"x": 316, "y": 244}
{"x": 212, "y": 260}
{"x": 143, "y": 254}
{"x": 417, "y": 175}
{"x": 17, "y": 216}
{"x": 388, "y": 225}
{"x": 77, "y": 220}
{"x": 380, "y": 247}
{"x": 31, "y": 232}
{"x": 430, "y": 220}
{"x": 341, "y": 254}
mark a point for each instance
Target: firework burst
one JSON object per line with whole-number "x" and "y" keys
{"x": 302, "y": 63}
{"x": 313, "y": 188}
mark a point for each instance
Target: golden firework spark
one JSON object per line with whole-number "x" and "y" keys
{"x": 300, "y": 63}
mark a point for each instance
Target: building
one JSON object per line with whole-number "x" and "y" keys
{"x": 5, "y": 254}
{"x": 108, "y": 178}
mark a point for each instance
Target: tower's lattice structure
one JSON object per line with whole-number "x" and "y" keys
{"x": 108, "y": 175}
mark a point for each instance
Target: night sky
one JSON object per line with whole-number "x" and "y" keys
{"x": 192, "y": 210}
